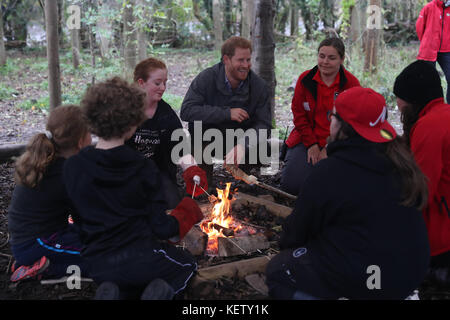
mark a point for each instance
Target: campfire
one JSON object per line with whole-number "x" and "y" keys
{"x": 219, "y": 224}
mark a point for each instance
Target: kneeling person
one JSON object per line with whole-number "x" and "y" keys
{"x": 122, "y": 210}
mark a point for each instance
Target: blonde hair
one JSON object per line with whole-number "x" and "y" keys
{"x": 65, "y": 127}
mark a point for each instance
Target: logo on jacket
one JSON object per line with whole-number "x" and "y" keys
{"x": 306, "y": 106}
{"x": 299, "y": 252}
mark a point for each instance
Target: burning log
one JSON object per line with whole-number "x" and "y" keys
{"x": 241, "y": 268}
{"x": 241, "y": 245}
{"x": 227, "y": 232}
{"x": 272, "y": 207}
{"x": 195, "y": 241}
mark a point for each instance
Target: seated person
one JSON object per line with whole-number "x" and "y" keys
{"x": 426, "y": 127}
{"x": 228, "y": 95}
{"x": 357, "y": 230}
{"x": 121, "y": 206}
{"x": 38, "y": 217}
{"x": 314, "y": 95}
{"x": 153, "y": 137}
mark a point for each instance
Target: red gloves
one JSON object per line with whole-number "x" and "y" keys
{"x": 188, "y": 177}
{"x": 188, "y": 213}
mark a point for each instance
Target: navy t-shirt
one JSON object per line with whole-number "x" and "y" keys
{"x": 153, "y": 138}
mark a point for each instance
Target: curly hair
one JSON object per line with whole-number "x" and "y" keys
{"x": 111, "y": 108}
{"x": 67, "y": 128}
{"x": 143, "y": 68}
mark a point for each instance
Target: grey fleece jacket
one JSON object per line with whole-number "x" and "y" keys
{"x": 209, "y": 100}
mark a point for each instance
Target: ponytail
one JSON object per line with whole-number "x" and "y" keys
{"x": 65, "y": 127}
{"x": 31, "y": 166}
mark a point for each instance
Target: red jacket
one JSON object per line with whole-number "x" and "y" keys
{"x": 430, "y": 143}
{"x": 312, "y": 100}
{"x": 433, "y": 30}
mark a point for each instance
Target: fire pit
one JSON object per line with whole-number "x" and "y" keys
{"x": 228, "y": 236}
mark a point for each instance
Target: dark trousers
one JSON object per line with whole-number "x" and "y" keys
{"x": 132, "y": 268}
{"x": 296, "y": 169}
{"x": 62, "y": 249}
{"x": 443, "y": 59}
{"x": 290, "y": 275}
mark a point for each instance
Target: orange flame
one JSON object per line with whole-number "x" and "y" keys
{"x": 220, "y": 215}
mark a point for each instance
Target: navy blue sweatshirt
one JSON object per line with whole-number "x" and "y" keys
{"x": 40, "y": 211}
{"x": 118, "y": 198}
{"x": 349, "y": 217}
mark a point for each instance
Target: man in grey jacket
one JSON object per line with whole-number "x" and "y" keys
{"x": 229, "y": 95}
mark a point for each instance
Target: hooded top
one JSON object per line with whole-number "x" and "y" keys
{"x": 118, "y": 197}
{"x": 349, "y": 218}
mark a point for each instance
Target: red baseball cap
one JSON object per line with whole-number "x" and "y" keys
{"x": 366, "y": 111}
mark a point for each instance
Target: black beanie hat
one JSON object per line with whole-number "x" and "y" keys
{"x": 419, "y": 83}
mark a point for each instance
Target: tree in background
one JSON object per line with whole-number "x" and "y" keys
{"x": 263, "y": 42}
{"x": 51, "y": 24}
{"x": 2, "y": 44}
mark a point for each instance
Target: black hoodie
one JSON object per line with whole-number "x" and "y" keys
{"x": 349, "y": 217}
{"x": 118, "y": 198}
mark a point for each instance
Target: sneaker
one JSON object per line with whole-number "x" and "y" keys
{"x": 107, "y": 291}
{"x": 26, "y": 272}
{"x": 158, "y": 289}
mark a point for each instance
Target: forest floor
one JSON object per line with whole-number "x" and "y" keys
{"x": 23, "y": 99}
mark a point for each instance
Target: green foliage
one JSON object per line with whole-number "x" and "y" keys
{"x": 173, "y": 100}
{"x": 6, "y": 92}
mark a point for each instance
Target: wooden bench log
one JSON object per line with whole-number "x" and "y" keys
{"x": 205, "y": 279}
{"x": 272, "y": 207}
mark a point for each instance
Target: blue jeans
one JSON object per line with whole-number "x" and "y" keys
{"x": 443, "y": 59}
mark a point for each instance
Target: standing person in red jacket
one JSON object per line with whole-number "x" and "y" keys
{"x": 426, "y": 126}
{"x": 314, "y": 96}
{"x": 433, "y": 31}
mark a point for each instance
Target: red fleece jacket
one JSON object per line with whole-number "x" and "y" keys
{"x": 312, "y": 100}
{"x": 433, "y": 30}
{"x": 430, "y": 143}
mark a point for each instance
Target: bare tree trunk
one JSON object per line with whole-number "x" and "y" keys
{"x": 104, "y": 28}
{"x": 91, "y": 48}
{"x": 129, "y": 34}
{"x": 373, "y": 36}
{"x": 2, "y": 43}
{"x": 75, "y": 40}
{"x": 61, "y": 22}
{"x": 263, "y": 59}
{"x": 217, "y": 17}
{"x": 247, "y": 18}
{"x": 294, "y": 18}
{"x": 142, "y": 39}
{"x": 51, "y": 26}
